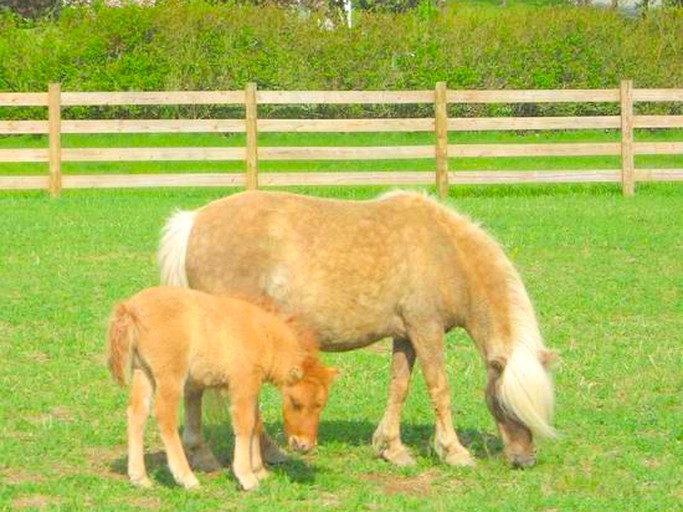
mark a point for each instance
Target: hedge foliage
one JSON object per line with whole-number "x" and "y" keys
{"x": 203, "y": 45}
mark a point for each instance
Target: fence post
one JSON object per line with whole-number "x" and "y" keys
{"x": 251, "y": 118}
{"x": 441, "y": 129}
{"x": 54, "y": 122}
{"x": 627, "y": 160}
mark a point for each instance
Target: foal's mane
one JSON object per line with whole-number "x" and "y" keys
{"x": 305, "y": 335}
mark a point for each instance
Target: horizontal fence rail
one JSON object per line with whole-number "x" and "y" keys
{"x": 54, "y": 100}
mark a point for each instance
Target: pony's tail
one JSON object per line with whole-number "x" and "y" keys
{"x": 122, "y": 338}
{"x": 526, "y": 390}
{"x": 173, "y": 248}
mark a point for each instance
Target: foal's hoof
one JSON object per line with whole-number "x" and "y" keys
{"x": 248, "y": 482}
{"x": 261, "y": 473}
{"x": 191, "y": 483}
{"x": 142, "y": 482}
{"x": 460, "y": 459}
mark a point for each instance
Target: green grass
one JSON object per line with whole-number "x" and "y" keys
{"x": 606, "y": 276}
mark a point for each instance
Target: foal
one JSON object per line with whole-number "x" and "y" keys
{"x": 177, "y": 341}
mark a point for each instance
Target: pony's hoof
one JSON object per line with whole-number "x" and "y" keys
{"x": 202, "y": 459}
{"x": 460, "y": 459}
{"x": 399, "y": 457}
{"x": 142, "y": 482}
{"x": 272, "y": 453}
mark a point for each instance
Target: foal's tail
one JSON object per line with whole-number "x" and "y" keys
{"x": 173, "y": 248}
{"x": 122, "y": 337}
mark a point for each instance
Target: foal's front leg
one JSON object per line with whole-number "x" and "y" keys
{"x": 243, "y": 410}
{"x": 429, "y": 346}
{"x": 387, "y": 438}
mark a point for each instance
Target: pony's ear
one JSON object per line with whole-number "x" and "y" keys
{"x": 333, "y": 373}
{"x": 548, "y": 358}
{"x": 497, "y": 365}
{"x": 294, "y": 375}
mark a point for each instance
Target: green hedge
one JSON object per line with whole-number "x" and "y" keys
{"x": 200, "y": 45}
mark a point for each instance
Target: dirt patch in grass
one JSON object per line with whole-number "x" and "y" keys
{"x": 107, "y": 459}
{"x": 144, "y": 503}
{"x": 38, "y": 501}
{"x": 19, "y": 476}
{"x": 418, "y": 485}
{"x": 57, "y": 413}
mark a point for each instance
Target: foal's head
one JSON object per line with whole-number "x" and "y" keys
{"x": 303, "y": 399}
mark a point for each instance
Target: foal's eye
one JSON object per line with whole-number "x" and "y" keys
{"x": 296, "y": 405}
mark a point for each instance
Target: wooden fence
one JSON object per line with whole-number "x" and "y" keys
{"x": 441, "y": 151}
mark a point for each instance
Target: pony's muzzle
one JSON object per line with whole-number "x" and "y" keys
{"x": 520, "y": 461}
{"x": 300, "y": 444}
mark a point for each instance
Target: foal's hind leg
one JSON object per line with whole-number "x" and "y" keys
{"x": 387, "y": 438}
{"x": 166, "y": 412}
{"x": 200, "y": 454}
{"x": 429, "y": 346}
{"x": 138, "y": 410}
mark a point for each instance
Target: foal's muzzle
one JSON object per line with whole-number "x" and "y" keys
{"x": 300, "y": 444}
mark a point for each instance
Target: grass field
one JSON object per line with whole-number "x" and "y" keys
{"x": 605, "y": 273}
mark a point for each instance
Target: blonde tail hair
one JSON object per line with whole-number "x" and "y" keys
{"x": 122, "y": 336}
{"x": 173, "y": 248}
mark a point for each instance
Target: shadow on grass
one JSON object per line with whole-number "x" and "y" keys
{"x": 483, "y": 445}
{"x": 221, "y": 443}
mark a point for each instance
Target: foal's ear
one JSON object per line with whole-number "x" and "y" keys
{"x": 294, "y": 375}
{"x": 497, "y": 365}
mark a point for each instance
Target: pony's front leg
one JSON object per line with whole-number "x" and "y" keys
{"x": 198, "y": 452}
{"x": 243, "y": 410}
{"x": 271, "y": 452}
{"x": 429, "y": 346}
{"x": 387, "y": 438}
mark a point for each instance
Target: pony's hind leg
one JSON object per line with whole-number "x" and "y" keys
{"x": 166, "y": 412}
{"x": 429, "y": 346}
{"x": 387, "y": 438}
{"x": 199, "y": 453}
{"x": 138, "y": 409}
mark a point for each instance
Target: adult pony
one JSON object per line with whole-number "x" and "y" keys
{"x": 402, "y": 266}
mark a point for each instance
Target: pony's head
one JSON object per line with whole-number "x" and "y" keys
{"x": 519, "y": 395}
{"x": 303, "y": 397}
